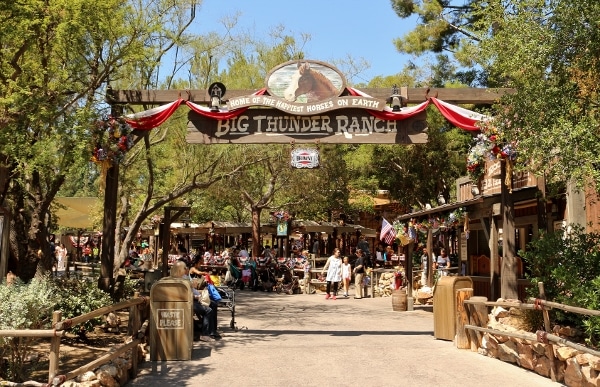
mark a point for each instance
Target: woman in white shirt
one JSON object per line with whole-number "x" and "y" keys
{"x": 334, "y": 273}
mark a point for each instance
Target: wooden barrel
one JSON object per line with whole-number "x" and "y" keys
{"x": 399, "y": 300}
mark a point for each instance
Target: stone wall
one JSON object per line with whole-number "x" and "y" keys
{"x": 572, "y": 367}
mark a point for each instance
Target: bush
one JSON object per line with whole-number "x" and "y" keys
{"x": 24, "y": 306}
{"x": 79, "y": 296}
{"x": 568, "y": 263}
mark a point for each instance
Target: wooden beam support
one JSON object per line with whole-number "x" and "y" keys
{"x": 415, "y": 95}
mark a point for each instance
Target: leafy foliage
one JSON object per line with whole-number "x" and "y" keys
{"x": 24, "y": 306}
{"x": 553, "y": 65}
{"x": 79, "y": 296}
{"x": 568, "y": 263}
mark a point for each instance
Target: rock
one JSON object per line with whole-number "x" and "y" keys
{"x": 490, "y": 345}
{"x": 106, "y": 379}
{"x": 499, "y": 312}
{"x": 91, "y": 383}
{"x": 573, "y": 374}
{"x": 86, "y": 377}
{"x": 594, "y": 362}
{"x": 564, "y": 353}
{"x": 560, "y": 370}
{"x": 567, "y": 332}
{"x": 112, "y": 320}
{"x": 526, "y": 358}
{"x": 539, "y": 348}
{"x": 591, "y": 377}
{"x": 508, "y": 352}
{"x": 110, "y": 369}
{"x": 542, "y": 366}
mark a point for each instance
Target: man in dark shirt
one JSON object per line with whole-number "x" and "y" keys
{"x": 359, "y": 273}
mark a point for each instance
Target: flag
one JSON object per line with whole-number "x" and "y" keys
{"x": 388, "y": 233}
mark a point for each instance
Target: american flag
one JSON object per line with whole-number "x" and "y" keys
{"x": 388, "y": 233}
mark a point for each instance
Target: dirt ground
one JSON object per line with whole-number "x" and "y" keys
{"x": 75, "y": 352}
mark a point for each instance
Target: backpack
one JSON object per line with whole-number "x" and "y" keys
{"x": 213, "y": 293}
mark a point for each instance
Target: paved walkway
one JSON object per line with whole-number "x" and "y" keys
{"x": 291, "y": 340}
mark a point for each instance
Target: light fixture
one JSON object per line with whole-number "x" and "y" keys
{"x": 216, "y": 91}
{"x": 395, "y": 100}
{"x": 441, "y": 199}
{"x": 474, "y": 190}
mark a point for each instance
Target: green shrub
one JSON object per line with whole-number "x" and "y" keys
{"x": 568, "y": 263}
{"x": 24, "y": 306}
{"x": 80, "y": 296}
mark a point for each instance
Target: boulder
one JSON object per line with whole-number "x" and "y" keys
{"x": 526, "y": 358}
{"x": 86, "y": 377}
{"x": 564, "y": 353}
{"x": 106, "y": 379}
{"x": 573, "y": 374}
{"x": 507, "y": 352}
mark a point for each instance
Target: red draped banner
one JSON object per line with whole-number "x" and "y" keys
{"x": 459, "y": 117}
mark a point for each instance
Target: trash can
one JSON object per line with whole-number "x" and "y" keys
{"x": 444, "y": 305}
{"x": 171, "y": 320}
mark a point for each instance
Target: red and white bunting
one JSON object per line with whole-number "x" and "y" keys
{"x": 458, "y": 116}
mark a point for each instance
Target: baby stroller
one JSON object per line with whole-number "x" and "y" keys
{"x": 233, "y": 279}
{"x": 267, "y": 279}
{"x": 286, "y": 280}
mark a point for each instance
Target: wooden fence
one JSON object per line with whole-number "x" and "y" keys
{"x": 138, "y": 307}
{"x": 472, "y": 319}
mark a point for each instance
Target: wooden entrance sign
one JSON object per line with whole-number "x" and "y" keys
{"x": 268, "y": 126}
{"x": 305, "y": 103}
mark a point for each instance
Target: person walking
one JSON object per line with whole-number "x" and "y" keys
{"x": 346, "y": 275}
{"x": 359, "y": 274}
{"x": 315, "y": 249}
{"x": 334, "y": 273}
{"x": 425, "y": 260}
{"x": 61, "y": 257}
{"x": 443, "y": 263}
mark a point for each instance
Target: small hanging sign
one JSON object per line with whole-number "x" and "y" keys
{"x": 305, "y": 158}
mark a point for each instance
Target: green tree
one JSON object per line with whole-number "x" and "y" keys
{"x": 553, "y": 65}
{"x": 57, "y": 57}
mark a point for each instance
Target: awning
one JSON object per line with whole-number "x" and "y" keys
{"x": 365, "y": 231}
{"x": 77, "y": 212}
{"x": 312, "y": 226}
{"x": 438, "y": 209}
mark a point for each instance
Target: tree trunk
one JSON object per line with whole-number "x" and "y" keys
{"x": 256, "y": 231}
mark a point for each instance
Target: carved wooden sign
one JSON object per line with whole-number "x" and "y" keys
{"x": 264, "y": 126}
{"x": 305, "y": 105}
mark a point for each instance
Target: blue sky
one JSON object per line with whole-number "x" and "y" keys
{"x": 359, "y": 28}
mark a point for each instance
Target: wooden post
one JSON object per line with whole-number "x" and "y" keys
{"x": 429, "y": 255}
{"x": 508, "y": 272}
{"x": 166, "y": 241}
{"x": 548, "y": 328}
{"x": 478, "y": 316}
{"x": 134, "y": 327}
{"x": 408, "y": 253}
{"x": 461, "y": 339}
{"x": 54, "y": 349}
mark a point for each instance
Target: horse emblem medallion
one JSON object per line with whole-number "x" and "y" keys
{"x": 305, "y": 81}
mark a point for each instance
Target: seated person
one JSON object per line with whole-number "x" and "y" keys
{"x": 209, "y": 325}
{"x": 203, "y": 311}
{"x": 196, "y": 269}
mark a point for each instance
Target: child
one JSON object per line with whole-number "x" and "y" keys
{"x": 346, "y": 275}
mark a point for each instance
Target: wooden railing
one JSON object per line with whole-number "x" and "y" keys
{"x": 138, "y": 307}
{"x": 472, "y": 318}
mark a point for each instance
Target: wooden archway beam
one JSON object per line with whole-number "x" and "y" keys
{"x": 415, "y": 95}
